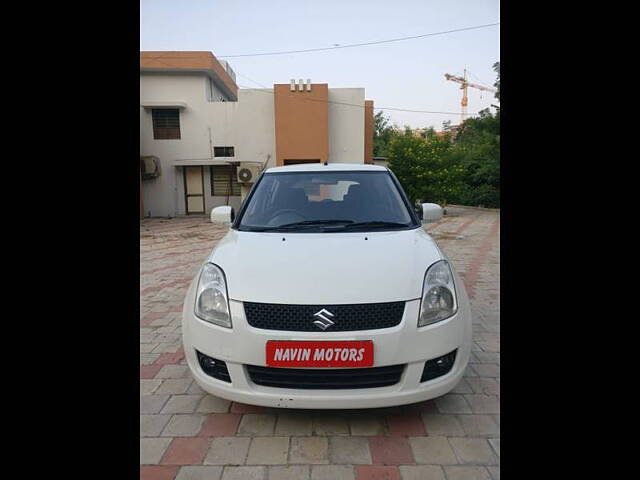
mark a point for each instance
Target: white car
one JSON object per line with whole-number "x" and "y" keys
{"x": 327, "y": 293}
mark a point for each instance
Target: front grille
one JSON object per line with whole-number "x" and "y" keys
{"x": 346, "y": 318}
{"x": 314, "y": 378}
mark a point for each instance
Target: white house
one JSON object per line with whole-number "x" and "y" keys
{"x": 197, "y": 127}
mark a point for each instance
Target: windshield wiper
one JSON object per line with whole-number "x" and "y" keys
{"x": 305, "y": 223}
{"x": 375, "y": 224}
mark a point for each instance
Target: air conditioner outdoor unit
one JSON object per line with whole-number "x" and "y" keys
{"x": 150, "y": 167}
{"x": 248, "y": 173}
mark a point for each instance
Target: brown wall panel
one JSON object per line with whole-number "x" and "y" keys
{"x": 302, "y": 122}
{"x": 368, "y": 131}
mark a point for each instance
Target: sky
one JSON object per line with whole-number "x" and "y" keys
{"x": 407, "y": 74}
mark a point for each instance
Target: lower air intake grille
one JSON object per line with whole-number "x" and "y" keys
{"x": 330, "y": 379}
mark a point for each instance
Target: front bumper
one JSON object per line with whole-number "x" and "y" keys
{"x": 403, "y": 344}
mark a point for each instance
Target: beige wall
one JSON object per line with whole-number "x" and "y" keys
{"x": 346, "y": 125}
{"x": 248, "y": 125}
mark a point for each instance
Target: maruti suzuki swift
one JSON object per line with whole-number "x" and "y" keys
{"x": 327, "y": 292}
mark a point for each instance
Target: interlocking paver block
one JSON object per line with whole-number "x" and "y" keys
{"x": 479, "y": 425}
{"x": 467, "y": 473}
{"x": 349, "y": 451}
{"x": 147, "y": 387}
{"x": 227, "y": 451}
{"x": 421, "y": 472}
{"x": 212, "y": 404}
{"x": 405, "y": 425}
{"x": 487, "y": 370}
{"x": 244, "y": 473}
{"x": 152, "y": 403}
{"x": 463, "y": 386}
{"x": 294, "y": 424}
{"x": 183, "y": 425}
{"x": 257, "y": 424}
{"x": 169, "y": 353}
{"x": 220, "y": 425}
{"x": 174, "y": 386}
{"x": 495, "y": 443}
{"x": 473, "y": 451}
{"x": 442, "y": 425}
{"x": 157, "y": 472}
{"x": 484, "y": 385}
{"x": 484, "y": 403}
{"x": 332, "y": 472}
{"x": 452, "y": 403}
{"x": 390, "y": 451}
{"x": 268, "y": 451}
{"x": 289, "y": 472}
{"x": 186, "y": 451}
{"x": 376, "y": 472}
{"x": 152, "y": 425}
{"x": 433, "y": 450}
{"x": 309, "y": 450}
{"x": 244, "y": 408}
{"x": 333, "y": 424}
{"x": 173, "y": 371}
{"x": 195, "y": 389}
{"x": 182, "y": 404}
{"x": 488, "y": 357}
{"x": 199, "y": 473}
{"x": 148, "y": 348}
{"x": 366, "y": 425}
{"x": 152, "y": 449}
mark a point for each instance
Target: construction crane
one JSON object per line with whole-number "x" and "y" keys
{"x": 465, "y": 83}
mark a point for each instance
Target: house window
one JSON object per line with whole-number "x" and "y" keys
{"x": 224, "y": 181}
{"x": 223, "y": 152}
{"x": 166, "y": 123}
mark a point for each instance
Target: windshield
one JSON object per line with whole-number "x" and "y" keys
{"x": 326, "y": 201}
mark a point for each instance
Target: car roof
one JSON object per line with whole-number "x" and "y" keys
{"x": 330, "y": 167}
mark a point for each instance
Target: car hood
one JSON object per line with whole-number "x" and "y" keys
{"x": 325, "y": 268}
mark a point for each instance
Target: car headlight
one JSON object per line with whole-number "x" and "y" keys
{"x": 211, "y": 296}
{"x": 438, "y": 294}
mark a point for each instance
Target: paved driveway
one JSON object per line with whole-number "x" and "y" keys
{"x": 187, "y": 434}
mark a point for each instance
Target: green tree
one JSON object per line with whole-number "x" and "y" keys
{"x": 496, "y": 68}
{"x": 477, "y": 152}
{"x": 382, "y": 133}
{"x": 424, "y": 168}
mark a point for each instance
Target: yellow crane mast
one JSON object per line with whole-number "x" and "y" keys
{"x": 464, "y": 84}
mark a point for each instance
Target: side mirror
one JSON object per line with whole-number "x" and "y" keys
{"x": 222, "y": 215}
{"x": 431, "y": 212}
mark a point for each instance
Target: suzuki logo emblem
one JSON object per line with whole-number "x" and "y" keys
{"x": 323, "y": 321}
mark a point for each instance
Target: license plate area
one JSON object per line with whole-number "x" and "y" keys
{"x": 310, "y": 354}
